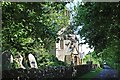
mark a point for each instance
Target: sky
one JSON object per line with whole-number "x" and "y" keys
{"x": 70, "y": 7}
{"x": 74, "y": 3}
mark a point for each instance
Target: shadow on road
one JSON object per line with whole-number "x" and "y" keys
{"x": 108, "y": 73}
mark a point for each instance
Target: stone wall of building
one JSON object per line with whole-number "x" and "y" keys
{"x": 66, "y": 47}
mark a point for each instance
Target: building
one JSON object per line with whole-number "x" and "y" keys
{"x": 67, "y": 48}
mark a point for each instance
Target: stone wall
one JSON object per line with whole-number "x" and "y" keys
{"x": 48, "y": 72}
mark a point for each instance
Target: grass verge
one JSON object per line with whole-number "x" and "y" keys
{"x": 92, "y": 73}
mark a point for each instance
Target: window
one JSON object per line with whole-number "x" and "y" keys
{"x": 57, "y": 40}
{"x": 62, "y": 44}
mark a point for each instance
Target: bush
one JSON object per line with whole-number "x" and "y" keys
{"x": 47, "y": 59}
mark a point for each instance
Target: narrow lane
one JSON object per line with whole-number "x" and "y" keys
{"x": 108, "y": 72}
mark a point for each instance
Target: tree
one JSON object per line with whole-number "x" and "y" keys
{"x": 31, "y": 27}
{"x": 25, "y": 24}
{"x": 101, "y": 22}
{"x": 101, "y": 28}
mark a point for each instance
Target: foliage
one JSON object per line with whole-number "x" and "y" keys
{"x": 101, "y": 29}
{"x": 111, "y": 55}
{"x": 93, "y": 57}
{"x": 43, "y": 59}
{"x": 25, "y": 24}
{"x": 46, "y": 59}
{"x": 31, "y": 27}
{"x": 101, "y": 23}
